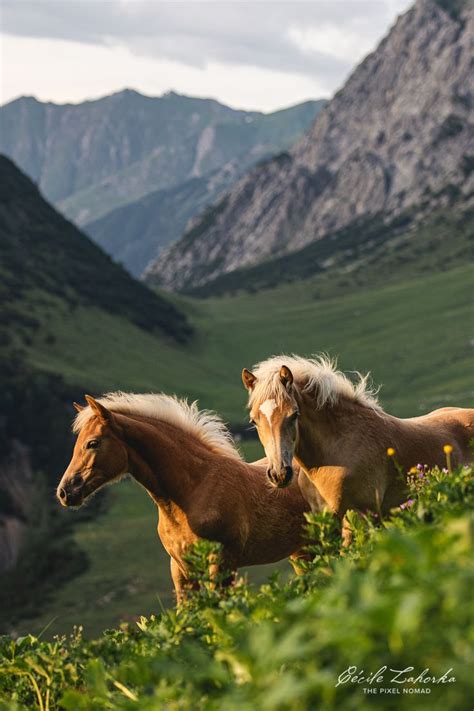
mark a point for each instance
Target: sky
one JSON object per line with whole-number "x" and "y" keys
{"x": 259, "y": 55}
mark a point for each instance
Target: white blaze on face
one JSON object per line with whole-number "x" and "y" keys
{"x": 267, "y": 408}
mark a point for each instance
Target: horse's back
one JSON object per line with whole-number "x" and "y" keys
{"x": 458, "y": 423}
{"x": 463, "y": 416}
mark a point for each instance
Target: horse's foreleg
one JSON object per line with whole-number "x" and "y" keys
{"x": 340, "y": 490}
{"x": 180, "y": 581}
{"x": 217, "y": 567}
{"x": 346, "y": 533}
{"x": 333, "y": 485}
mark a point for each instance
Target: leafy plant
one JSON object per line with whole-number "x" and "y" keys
{"x": 397, "y": 598}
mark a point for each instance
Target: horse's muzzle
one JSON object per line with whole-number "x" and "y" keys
{"x": 281, "y": 479}
{"x": 72, "y": 493}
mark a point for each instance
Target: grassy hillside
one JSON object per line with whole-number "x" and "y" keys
{"x": 376, "y": 329}
{"x": 43, "y": 256}
{"x": 414, "y": 336}
{"x": 53, "y": 277}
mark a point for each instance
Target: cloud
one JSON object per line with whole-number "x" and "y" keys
{"x": 317, "y": 41}
{"x": 63, "y": 71}
{"x": 326, "y": 35}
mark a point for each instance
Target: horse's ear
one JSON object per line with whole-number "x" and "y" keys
{"x": 77, "y": 407}
{"x": 98, "y": 409}
{"x": 248, "y": 379}
{"x": 286, "y": 377}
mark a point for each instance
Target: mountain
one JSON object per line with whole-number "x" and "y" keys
{"x": 398, "y": 138}
{"x": 44, "y": 257}
{"x": 92, "y": 157}
{"x": 59, "y": 292}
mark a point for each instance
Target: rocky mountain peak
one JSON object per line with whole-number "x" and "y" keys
{"x": 398, "y": 136}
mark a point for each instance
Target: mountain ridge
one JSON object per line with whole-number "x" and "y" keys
{"x": 92, "y": 157}
{"x": 136, "y": 232}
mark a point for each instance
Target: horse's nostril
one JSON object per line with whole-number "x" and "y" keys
{"x": 62, "y": 494}
{"x": 77, "y": 479}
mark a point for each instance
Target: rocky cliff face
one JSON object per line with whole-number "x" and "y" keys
{"x": 398, "y": 136}
{"x": 93, "y": 157}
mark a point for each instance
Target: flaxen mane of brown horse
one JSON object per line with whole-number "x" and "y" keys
{"x": 186, "y": 461}
{"x": 339, "y": 434}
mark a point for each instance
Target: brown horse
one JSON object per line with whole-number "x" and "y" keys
{"x": 186, "y": 461}
{"x": 339, "y": 434}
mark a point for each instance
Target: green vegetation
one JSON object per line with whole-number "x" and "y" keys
{"x": 398, "y": 597}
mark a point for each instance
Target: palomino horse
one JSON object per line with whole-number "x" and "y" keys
{"x": 339, "y": 434}
{"x": 186, "y": 461}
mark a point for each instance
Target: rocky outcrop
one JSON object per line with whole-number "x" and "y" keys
{"x": 397, "y": 136}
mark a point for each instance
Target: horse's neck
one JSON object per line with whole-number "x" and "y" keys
{"x": 313, "y": 437}
{"x": 328, "y": 431}
{"x": 164, "y": 459}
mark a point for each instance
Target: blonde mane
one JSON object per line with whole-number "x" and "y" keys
{"x": 204, "y": 424}
{"x": 317, "y": 376}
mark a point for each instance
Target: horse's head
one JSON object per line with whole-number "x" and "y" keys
{"x": 99, "y": 456}
{"x": 274, "y": 411}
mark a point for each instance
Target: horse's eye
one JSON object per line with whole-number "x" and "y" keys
{"x": 252, "y": 422}
{"x": 294, "y": 416}
{"x": 92, "y": 444}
